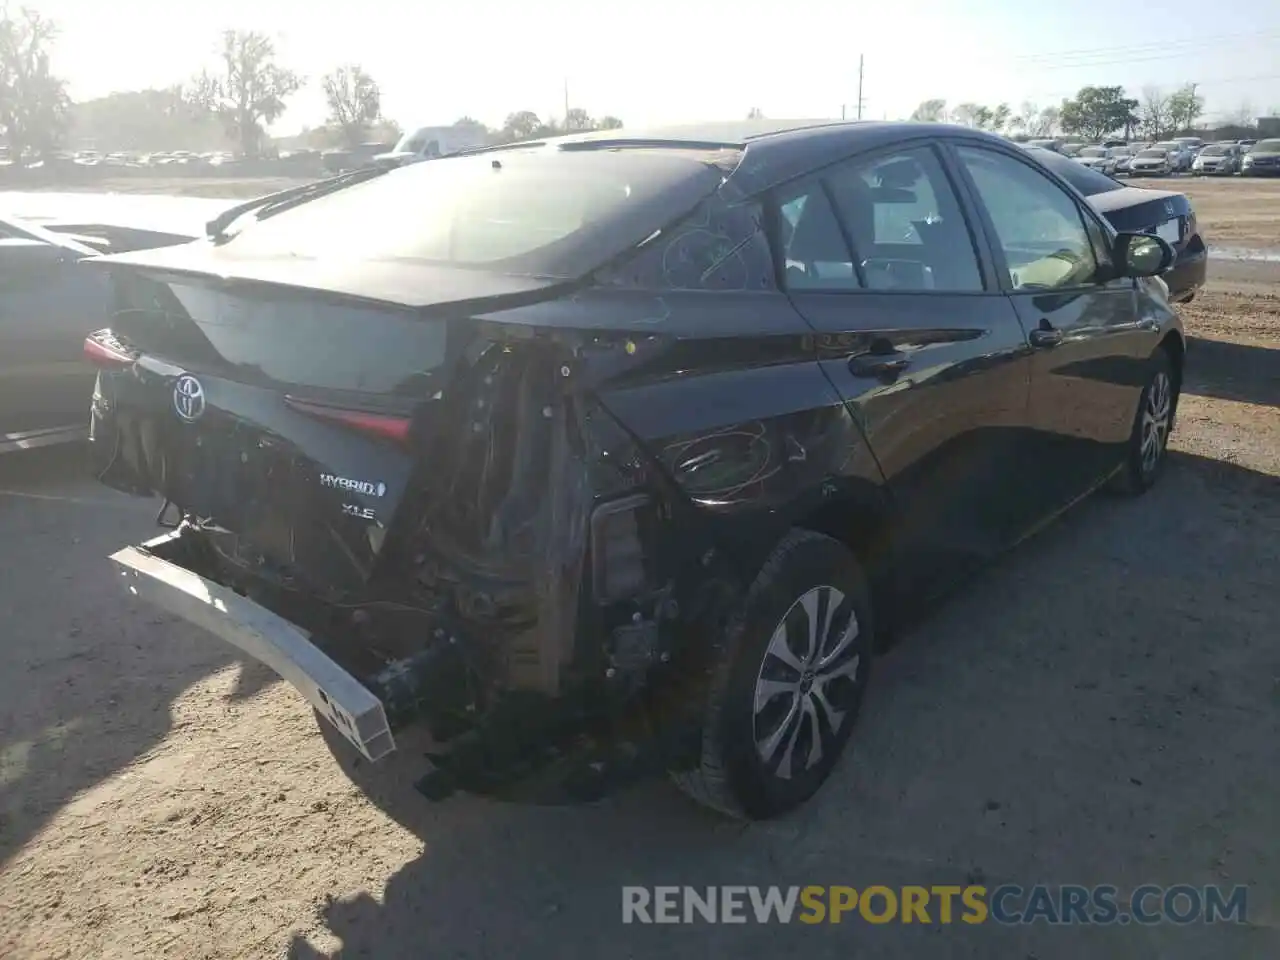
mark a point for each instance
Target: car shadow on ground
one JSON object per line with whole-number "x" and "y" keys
{"x": 1229, "y": 370}
{"x": 1099, "y": 708}
{"x": 84, "y": 690}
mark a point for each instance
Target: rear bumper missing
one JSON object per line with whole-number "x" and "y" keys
{"x": 285, "y": 648}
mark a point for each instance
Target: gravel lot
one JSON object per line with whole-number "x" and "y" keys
{"x": 1102, "y": 707}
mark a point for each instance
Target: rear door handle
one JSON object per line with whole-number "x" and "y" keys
{"x": 879, "y": 364}
{"x": 1045, "y": 338}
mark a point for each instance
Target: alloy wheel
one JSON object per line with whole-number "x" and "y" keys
{"x": 805, "y": 682}
{"x": 1156, "y": 414}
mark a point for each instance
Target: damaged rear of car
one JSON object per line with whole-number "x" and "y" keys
{"x": 469, "y": 443}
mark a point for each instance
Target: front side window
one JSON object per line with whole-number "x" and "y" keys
{"x": 1037, "y": 223}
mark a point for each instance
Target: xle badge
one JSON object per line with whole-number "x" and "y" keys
{"x": 355, "y": 510}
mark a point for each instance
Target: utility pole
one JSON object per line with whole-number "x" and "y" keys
{"x": 860, "y": 59}
{"x": 566, "y": 101}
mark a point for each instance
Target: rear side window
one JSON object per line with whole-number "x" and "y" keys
{"x": 537, "y": 211}
{"x": 895, "y": 225}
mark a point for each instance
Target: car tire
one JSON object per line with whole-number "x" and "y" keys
{"x": 1153, "y": 424}
{"x": 782, "y": 706}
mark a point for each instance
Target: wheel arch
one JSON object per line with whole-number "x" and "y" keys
{"x": 1175, "y": 346}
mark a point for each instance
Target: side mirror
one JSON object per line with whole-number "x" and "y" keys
{"x": 1142, "y": 255}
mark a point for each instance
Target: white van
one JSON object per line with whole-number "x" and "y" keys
{"x": 424, "y": 143}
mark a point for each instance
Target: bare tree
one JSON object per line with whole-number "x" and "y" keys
{"x": 521, "y": 125}
{"x": 1153, "y": 112}
{"x": 930, "y": 111}
{"x": 249, "y": 89}
{"x": 33, "y": 102}
{"x": 1242, "y": 116}
{"x": 755, "y": 113}
{"x": 966, "y": 114}
{"x": 1049, "y": 122}
{"x": 577, "y": 120}
{"x": 355, "y": 103}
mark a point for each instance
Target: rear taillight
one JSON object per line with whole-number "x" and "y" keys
{"x": 102, "y": 349}
{"x": 377, "y": 424}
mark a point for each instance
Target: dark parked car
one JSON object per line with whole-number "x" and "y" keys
{"x": 1262, "y": 160}
{"x": 621, "y": 452}
{"x": 49, "y": 302}
{"x": 1163, "y": 212}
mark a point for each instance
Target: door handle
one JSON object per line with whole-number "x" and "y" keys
{"x": 879, "y": 364}
{"x": 1045, "y": 336}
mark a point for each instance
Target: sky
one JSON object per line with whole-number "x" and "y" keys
{"x": 671, "y": 61}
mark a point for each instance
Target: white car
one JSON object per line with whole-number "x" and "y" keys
{"x": 1152, "y": 162}
{"x": 1102, "y": 159}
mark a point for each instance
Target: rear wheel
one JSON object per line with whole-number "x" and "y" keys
{"x": 786, "y": 695}
{"x": 1152, "y": 425}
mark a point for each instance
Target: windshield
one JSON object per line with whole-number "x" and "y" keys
{"x": 1267, "y": 146}
{"x": 1154, "y": 154}
{"x": 1093, "y": 152}
{"x": 533, "y": 211}
{"x": 1122, "y": 152}
{"x": 1212, "y": 151}
{"x": 1085, "y": 179}
{"x": 1169, "y": 146}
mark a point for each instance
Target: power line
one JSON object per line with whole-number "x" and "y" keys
{"x": 1126, "y": 49}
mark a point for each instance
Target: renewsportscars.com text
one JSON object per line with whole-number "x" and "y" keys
{"x": 1009, "y": 904}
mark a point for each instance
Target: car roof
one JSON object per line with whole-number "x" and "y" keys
{"x": 776, "y": 149}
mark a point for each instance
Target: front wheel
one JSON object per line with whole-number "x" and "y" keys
{"x": 1152, "y": 425}
{"x": 795, "y": 662}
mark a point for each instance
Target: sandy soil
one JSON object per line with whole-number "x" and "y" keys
{"x": 1102, "y": 708}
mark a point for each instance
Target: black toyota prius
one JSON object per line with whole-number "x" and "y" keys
{"x": 623, "y": 452}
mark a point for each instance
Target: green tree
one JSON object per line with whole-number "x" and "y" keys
{"x": 1097, "y": 111}
{"x": 249, "y": 88}
{"x": 1185, "y": 107}
{"x": 521, "y": 125}
{"x": 1001, "y": 117}
{"x": 930, "y": 111}
{"x": 608, "y": 123}
{"x": 355, "y": 102}
{"x": 33, "y": 102}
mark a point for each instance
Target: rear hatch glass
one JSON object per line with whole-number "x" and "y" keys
{"x": 538, "y": 211}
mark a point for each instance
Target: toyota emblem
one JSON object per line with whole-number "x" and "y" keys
{"x": 188, "y": 398}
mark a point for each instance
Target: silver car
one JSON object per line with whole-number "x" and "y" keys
{"x": 1152, "y": 162}
{"x": 1102, "y": 159}
{"x": 1221, "y": 159}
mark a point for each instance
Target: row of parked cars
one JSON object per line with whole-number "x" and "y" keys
{"x": 1116, "y": 158}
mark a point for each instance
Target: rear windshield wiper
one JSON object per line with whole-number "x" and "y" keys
{"x": 281, "y": 200}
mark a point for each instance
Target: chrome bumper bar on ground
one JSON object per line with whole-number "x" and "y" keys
{"x": 282, "y": 646}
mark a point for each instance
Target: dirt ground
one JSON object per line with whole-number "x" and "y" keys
{"x": 1102, "y": 707}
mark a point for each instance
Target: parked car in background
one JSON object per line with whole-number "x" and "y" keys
{"x": 1263, "y": 159}
{"x": 1102, "y": 159}
{"x": 512, "y": 466}
{"x": 1152, "y": 162}
{"x": 1179, "y": 154}
{"x": 49, "y": 301}
{"x": 1219, "y": 159}
{"x": 1168, "y": 214}
{"x": 1124, "y": 157}
{"x": 1046, "y": 144}
{"x": 1245, "y": 145}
